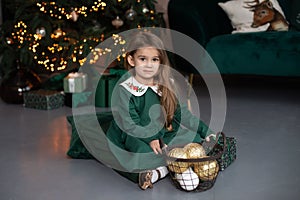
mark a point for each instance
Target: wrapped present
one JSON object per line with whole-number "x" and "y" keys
{"x": 229, "y": 154}
{"x": 43, "y": 99}
{"x": 75, "y": 82}
{"x": 77, "y": 149}
{"x": 104, "y": 90}
{"x": 106, "y": 86}
{"x": 76, "y": 99}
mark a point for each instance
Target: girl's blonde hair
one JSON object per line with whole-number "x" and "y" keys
{"x": 163, "y": 78}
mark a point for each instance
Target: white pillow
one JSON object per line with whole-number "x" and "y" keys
{"x": 241, "y": 18}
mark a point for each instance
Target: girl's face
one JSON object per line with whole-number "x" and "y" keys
{"x": 146, "y": 62}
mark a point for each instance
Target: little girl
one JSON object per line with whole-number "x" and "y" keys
{"x": 147, "y": 111}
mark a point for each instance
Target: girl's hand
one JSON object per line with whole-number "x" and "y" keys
{"x": 154, "y": 144}
{"x": 207, "y": 139}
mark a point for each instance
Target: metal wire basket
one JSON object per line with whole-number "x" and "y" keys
{"x": 194, "y": 174}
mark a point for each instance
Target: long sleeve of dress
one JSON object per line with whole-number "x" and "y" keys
{"x": 190, "y": 121}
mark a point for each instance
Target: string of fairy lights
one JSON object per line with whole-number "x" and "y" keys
{"x": 52, "y": 7}
{"x": 48, "y": 57}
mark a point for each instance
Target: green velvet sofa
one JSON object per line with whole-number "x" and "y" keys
{"x": 256, "y": 53}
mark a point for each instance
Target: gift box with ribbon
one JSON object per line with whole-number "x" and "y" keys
{"x": 75, "y": 82}
{"x": 43, "y": 99}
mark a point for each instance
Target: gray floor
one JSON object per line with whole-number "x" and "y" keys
{"x": 265, "y": 121}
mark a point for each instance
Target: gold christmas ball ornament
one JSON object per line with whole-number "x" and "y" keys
{"x": 174, "y": 166}
{"x": 178, "y": 153}
{"x": 194, "y": 150}
{"x": 117, "y": 22}
{"x": 207, "y": 170}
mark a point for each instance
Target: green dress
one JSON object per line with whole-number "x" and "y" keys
{"x": 138, "y": 120}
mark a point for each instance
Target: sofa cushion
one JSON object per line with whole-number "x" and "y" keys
{"x": 241, "y": 18}
{"x": 260, "y": 53}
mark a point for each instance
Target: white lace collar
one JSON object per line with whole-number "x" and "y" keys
{"x": 136, "y": 88}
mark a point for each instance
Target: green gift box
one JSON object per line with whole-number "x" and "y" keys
{"x": 75, "y": 82}
{"x": 104, "y": 90}
{"x": 106, "y": 86}
{"x": 229, "y": 154}
{"x": 43, "y": 99}
{"x": 77, "y": 99}
{"x": 77, "y": 149}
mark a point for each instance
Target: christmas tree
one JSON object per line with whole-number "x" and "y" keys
{"x": 55, "y": 36}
